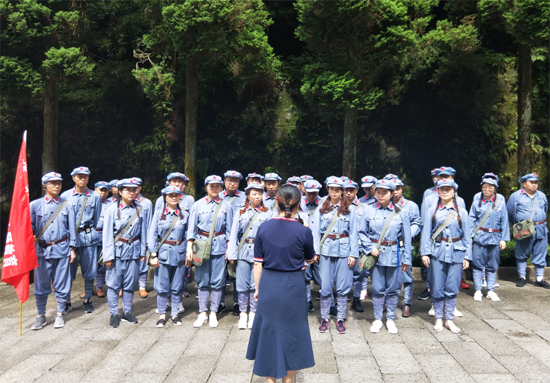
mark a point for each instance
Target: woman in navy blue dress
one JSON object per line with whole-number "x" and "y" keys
{"x": 280, "y": 342}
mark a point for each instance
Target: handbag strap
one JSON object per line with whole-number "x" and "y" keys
{"x": 532, "y": 210}
{"x": 172, "y": 225}
{"x": 81, "y": 211}
{"x": 385, "y": 228}
{"x": 329, "y": 228}
{"x": 50, "y": 220}
{"x": 130, "y": 221}
{"x": 248, "y": 228}
{"x": 212, "y": 227}
{"x": 312, "y": 210}
{"x": 445, "y": 223}
{"x": 483, "y": 220}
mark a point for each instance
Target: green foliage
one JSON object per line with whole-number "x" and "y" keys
{"x": 67, "y": 61}
{"x": 19, "y": 72}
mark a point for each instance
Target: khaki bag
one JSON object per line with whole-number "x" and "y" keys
{"x": 525, "y": 229}
{"x": 203, "y": 249}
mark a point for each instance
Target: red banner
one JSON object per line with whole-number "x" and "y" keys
{"x": 20, "y": 251}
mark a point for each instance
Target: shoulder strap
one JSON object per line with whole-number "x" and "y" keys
{"x": 50, "y": 220}
{"x": 487, "y": 214}
{"x": 445, "y": 223}
{"x": 248, "y": 228}
{"x": 232, "y": 199}
{"x": 359, "y": 205}
{"x": 81, "y": 211}
{"x": 385, "y": 228}
{"x": 172, "y": 225}
{"x": 533, "y": 210}
{"x": 329, "y": 228}
{"x": 125, "y": 228}
{"x": 212, "y": 228}
{"x": 312, "y": 210}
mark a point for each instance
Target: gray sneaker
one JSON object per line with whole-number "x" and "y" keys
{"x": 59, "y": 321}
{"x": 39, "y": 322}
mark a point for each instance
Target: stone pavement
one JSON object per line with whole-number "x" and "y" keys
{"x": 507, "y": 341}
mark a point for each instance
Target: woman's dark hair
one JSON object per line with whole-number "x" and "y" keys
{"x": 288, "y": 197}
{"x": 343, "y": 209}
{"x": 247, "y": 204}
{"x": 165, "y": 206}
{"x": 494, "y": 195}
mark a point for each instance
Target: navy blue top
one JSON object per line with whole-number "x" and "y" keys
{"x": 282, "y": 244}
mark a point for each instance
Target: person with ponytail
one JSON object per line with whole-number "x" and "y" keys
{"x": 446, "y": 253}
{"x": 211, "y": 273}
{"x": 490, "y": 238}
{"x": 392, "y": 250}
{"x": 280, "y": 342}
{"x": 122, "y": 257}
{"x": 255, "y": 211}
{"x": 169, "y": 226}
{"x": 337, "y": 253}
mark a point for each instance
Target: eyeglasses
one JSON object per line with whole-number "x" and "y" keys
{"x": 488, "y": 187}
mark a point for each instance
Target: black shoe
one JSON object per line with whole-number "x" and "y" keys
{"x": 68, "y": 307}
{"x": 88, "y": 307}
{"x": 176, "y": 321}
{"x": 333, "y": 311}
{"x": 341, "y": 326}
{"x": 128, "y": 317}
{"x": 521, "y": 282}
{"x": 161, "y": 323}
{"x": 543, "y": 284}
{"x": 114, "y": 322}
{"x": 356, "y": 305}
{"x": 221, "y": 308}
{"x": 310, "y": 307}
{"x": 236, "y": 309}
{"x": 424, "y": 295}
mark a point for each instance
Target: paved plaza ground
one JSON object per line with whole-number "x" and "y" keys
{"x": 507, "y": 341}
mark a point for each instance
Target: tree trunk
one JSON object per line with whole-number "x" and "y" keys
{"x": 350, "y": 142}
{"x": 51, "y": 119}
{"x": 191, "y": 117}
{"x": 524, "y": 110}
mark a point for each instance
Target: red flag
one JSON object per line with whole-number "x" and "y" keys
{"x": 20, "y": 251}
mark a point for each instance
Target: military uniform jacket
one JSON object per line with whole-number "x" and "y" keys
{"x": 498, "y": 219}
{"x": 200, "y": 218}
{"x": 411, "y": 209}
{"x": 137, "y": 232}
{"x": 240, "y": 223}
{"x": 168, "y": 254}
{"x": 90, "y": 215}
{"x": 520, "y": 206}
{"x": 345, "y": 224}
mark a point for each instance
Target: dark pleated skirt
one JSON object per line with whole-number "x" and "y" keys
{"x": 280, "y": 340}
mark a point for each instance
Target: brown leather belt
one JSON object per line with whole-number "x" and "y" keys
{"x": 129, "y": 241}
{"x": 205, "y": 234}
{"x": 88, "y": 230}
{"x": 337, "y": 236}
{"x": 385, "y": 243}
{"x": 173, "y": 243}
{"x": 56, "y": 242}
{"x": 447, "y": 239}
{"x": 249, "y": 240}
{"x": 490, "y": 230}
{"x": 539, "y": 222}
{"x": 98, "y": 229}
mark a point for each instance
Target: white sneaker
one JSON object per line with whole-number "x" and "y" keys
{"x": 483, "y": 282}
{"x": 242, "y": 321}
{"x": 493, "y": 296}
{"x": 431, "y": 312}
{"x": 60, "y": 321}
{"x": 201, "y": 319}
{"x": 181, "y": 309}
{"x": 478, "y": 296}
{"x": 496, "y": 284}
{"x": 251, "y": 317}
{"x": 390, "y": 325}
{"x": 376, "y": 326}
{"x": 363, "y": 295}
{"x": 458, "y": 313}
{"x": 213, "y": 322}
{"x": 156, "y": 311}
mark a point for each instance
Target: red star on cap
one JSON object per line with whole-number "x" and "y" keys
{"x": 233, "y": 173}
{"x": 534, "y": 174}
{"x": 444, "y": 180}
{"x": 382, "y": 181}
{"x": 81, "y": 168}
{"x": 131, "y": 181}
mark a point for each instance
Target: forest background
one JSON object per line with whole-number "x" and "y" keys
{"x": 145, "y": 88}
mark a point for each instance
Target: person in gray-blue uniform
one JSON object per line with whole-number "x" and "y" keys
{"x": 367, "y": 183}
{"x": 102, "y": 188}
{"x": 86, "y": 206}
{"x": 254, "y": 178}
{"x": 410, "y": 209}
{"x": 177, "y": 179}
{"x": 392, "y": 250}
{"x": 359, "y": 274}
{"x": 489, "y": 234}
{"x": 167, "y": 247}
{"x": 444, "y": 172}
{"x": 114, "y": 190}
{"x": 309, "y": 204}
{"x": 232, "y": 194}
{"x": 303, "y": 180}
{"x": 294, "y": 180}
{"x": 523, "y": 204}
{"x": 211, "y": 274}
{"x": 336, "y": 242}
{"x": 446, "y": 248}
{"x": 241, "y": 249}
{"x": 433, "y": 189}
{"x": 124, "y": 246}
{"x": 272, "y": 181}
{"x": 55, "y": 244}
{"x": 148, "y": 216}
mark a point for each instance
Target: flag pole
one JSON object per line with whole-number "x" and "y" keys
{"x": 20, "y": 317}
